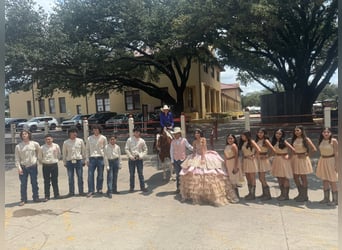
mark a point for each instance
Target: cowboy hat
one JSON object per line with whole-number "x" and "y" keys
{"x": 176, "y": 130}
{"x": 165, "y": 107}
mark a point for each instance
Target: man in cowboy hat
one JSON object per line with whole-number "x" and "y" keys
{"x": 166, "y": 118}
{"x": 178, "y": 151}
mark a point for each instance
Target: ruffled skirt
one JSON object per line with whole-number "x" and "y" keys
{"x": 264, "y": 164}
{"x": 249, "y": 165}
{"x": 236, "y": 178}
{"x": 326, "y": 169}
{"x": 205, "y": 182}
{"x": 281, "y": 167}
{"x": 301, "y": 165}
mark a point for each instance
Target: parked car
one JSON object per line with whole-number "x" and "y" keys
{"x": 38, "y": 123}
{"x": 118, "y": 121}
{"x": 100, "y": 118}
{"x": 10, "y": 121}
{"x": 75, "y": 121}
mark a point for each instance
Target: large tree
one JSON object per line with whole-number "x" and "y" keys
{"x": 292, "y": 44}
{"x": 97, "y": 46}
{"x": 25, "y": 35}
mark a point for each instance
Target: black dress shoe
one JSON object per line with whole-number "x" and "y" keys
{"x": 57, "y": 197}
{"x": 131, "y": 190}
{"x": 144, "y": 190}
{"x": 82, "y": 194}
{"x": 116, "y": 192}
{"x": 36, "y": 200}
{"x": 110, "y": 195}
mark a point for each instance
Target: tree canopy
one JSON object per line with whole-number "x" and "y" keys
{"x": 105, "y": 45}
{"x": 96, "y": 46}
{"x": 292, "y": 44}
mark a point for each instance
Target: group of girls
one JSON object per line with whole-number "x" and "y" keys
{"x": 290, "y": 160}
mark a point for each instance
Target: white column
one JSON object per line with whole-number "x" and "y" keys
{"x": 327, "y": 117}
{"x": 130, "y": 126}
{"x": 247, "y": 121}
{"x": 183, "y": 127}
{"x": 85, "y": 130}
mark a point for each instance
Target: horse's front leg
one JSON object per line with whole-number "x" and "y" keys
{"x": 163, "y": 165}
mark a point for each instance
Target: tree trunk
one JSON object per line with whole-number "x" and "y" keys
{"x": 286, "y": 107}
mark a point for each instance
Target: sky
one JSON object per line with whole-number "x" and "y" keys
{"x": 228, "y": 76}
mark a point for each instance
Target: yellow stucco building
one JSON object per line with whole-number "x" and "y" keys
{"x": 202, "y": 97}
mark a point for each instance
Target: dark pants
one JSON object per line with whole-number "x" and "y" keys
{"x": 112, "y": 176}
{"x": 78, "y": 168}
{"x": 138, "y": 164}
{"x": 50, "y": 174}
{"x": 31, "y": 171}
{"x": 177, "y": 166}
{"x": 95, "y": 163}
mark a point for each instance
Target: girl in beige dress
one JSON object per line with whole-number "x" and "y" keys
{"x": 281, "y": 164}
{"x": 263, "y": 160}
{"x": 231, "y": 158}
{"x": 327, "y": 166}
{"x": 301, "y": 163}
{"x": 248, "y": 149}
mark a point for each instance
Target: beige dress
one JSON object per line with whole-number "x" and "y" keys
{"x": 301, "y": 163}
{"x": 263, "y": 160}
{"x": 205, "y": 181}
{"x": 249, "y": 162}
{"x": 326, "y": 163}
{"x": 230, "y": 164}
{"x": 281, "y": 164}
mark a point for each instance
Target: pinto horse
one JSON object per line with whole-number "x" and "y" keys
{"x": 163, "y": 143}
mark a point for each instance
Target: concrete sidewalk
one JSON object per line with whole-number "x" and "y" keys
{"x": 159, "y": 220}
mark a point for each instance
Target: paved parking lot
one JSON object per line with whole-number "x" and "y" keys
{"x": 159, "y": 220}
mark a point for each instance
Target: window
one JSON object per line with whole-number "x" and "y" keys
{"x": 212, "y": 71}
{"x": 132, "y": 100}
{"x": 218, "y": 76}
{"x": 29, "y": 108}
{"x": 78, "y": 109}
{"x": 189, "y": 97}
{"x": 52, "y": 107}
{"x": 41, "y": 106}
{"x": 102, "y": 102}
{"x": 205, "y": 68}
{"x": 62, "y": 106}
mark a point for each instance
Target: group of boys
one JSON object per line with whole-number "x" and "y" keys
{"x": 96, "y": 153}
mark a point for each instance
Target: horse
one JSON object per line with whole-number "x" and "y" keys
{"x": 163, "y": 143}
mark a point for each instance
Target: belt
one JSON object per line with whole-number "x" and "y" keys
{"x": 249, "y": 157}
{"x": 113, "y": 159}
{"x": 282, "y": 153}
{"x": 327, "y": 156}
{"x": 96, "y": 157}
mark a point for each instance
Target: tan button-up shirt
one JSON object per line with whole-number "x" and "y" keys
{"x": 26, "y": 154}
{"x": 73, "y": 150}
{"x": 50, "y": 154}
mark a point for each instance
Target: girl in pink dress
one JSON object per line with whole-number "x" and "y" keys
{"x": 301, "y": 163}
{"x": 249, "y": 148}
{"x": 281, "y": 164}
{"x": 327, "y": 166}
{"x": 263, "y": 160}
{"x": 202, "y": 178}
{"x": 231, "y": 157}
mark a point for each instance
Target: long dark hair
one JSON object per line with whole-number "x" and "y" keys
{"x": 321, "y": 136}
{"x": 305, "y": 143}
{"x": 248, "y": 135}
{"x": 264, "y": 138}
{"x": 235, "y": 141}
{"x": 281, "y": 140}
{"x": 197, "y": 130}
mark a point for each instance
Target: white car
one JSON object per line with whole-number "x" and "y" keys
{"x": 36, "y": 123}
